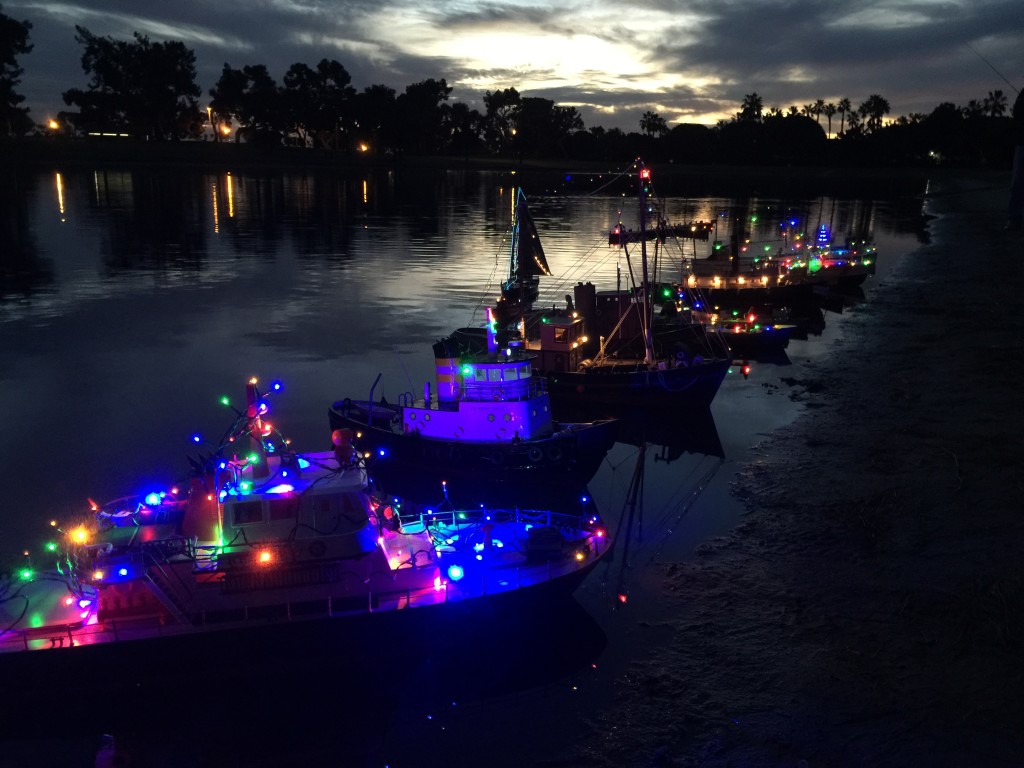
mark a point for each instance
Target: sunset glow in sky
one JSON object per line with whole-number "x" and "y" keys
{"x": 690, "y": 62}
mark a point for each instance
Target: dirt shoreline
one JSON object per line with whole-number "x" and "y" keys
{"x": 869, "y": 611}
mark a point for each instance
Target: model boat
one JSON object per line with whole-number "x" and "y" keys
{"x": 489, "y": 419}
{"x": 261, "y": 534}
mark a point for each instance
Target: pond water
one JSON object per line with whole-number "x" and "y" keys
{"x": 131, "y": 301}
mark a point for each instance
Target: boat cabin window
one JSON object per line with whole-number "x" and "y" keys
{"x": 248, "y": 512}
{"x": 284, "y": 509}
{"x": 562, "y": 335}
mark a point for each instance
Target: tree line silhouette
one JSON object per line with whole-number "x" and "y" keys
{"x": 147, "y": 90}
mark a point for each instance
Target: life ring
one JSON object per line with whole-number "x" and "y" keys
{"x": 555, "y": 453}
{"x": 535, "y": 454}
{"x": 317, "y": 549}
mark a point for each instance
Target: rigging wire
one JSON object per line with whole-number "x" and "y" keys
{"x": 1001, "y": 75}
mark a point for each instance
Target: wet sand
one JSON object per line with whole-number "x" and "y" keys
{"x": 869, "y": 610}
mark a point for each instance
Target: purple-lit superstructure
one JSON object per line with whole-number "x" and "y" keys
{"x": 491, "y": 418}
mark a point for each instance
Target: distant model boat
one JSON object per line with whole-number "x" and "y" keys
{"x": 795, "y": 273}
{"x": 264, "y": 535}
{"x": 490, "y": 418}
{"x": 748, "y": 333}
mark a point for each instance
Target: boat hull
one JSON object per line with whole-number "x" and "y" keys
{"x": 572, "y": 454}
{"x": 682, "y": 387}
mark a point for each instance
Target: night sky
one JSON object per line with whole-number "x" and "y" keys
{"x": 689, "y": 62}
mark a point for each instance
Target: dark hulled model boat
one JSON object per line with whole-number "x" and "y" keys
{"x": 491, "y": 418}
{"x": 681, "y": 366}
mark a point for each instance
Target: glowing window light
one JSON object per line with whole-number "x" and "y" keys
{"x": 394, "y": 562}
{"x": 303, "y": 463}
{"x": 455, "y": 572}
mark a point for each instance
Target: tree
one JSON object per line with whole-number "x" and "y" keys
{"x": 317, "y": 101}
{"x": 463, "y": 128}
{"x": 844, "y": 107}
{"x": 829, "y": 111}
{"x": 420, "y": 118}
{"x": 974, "y": 109}
{"x": 819, "y": 107}
{"x": 995, "y": 104}
{"x": 250, "y": 97}
{"x": 143, "y": 88}
{"x": 872, "y": 111}
{"x": 541, "y": 125}
{"x": 653, "y": 124}
{"x": 14, "y": 36}
{"x": 500, "y": 105}
{"x": 751, "y": 109}
{"x": 374, "y": 117}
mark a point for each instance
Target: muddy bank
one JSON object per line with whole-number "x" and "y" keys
{"x": 870, "y": 608}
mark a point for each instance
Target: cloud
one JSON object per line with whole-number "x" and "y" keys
{"x": 694, "y": 61}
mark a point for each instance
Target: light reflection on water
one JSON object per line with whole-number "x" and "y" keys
{"x": 133, "y": 299}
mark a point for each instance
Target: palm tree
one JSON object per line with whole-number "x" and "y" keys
{"x": 752, "y": 107}
{"x": 995, "y": 104}
{"x": 819, "y": 107}
{"x": 843, "y": 107}
{"x": 653, "y": 124}
{"x": 807, "y": 110}
{"x": 829, "y": 110}
{"x": 872, "y": 111}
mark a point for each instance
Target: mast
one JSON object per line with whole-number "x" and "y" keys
{"x": 644, "y": 176}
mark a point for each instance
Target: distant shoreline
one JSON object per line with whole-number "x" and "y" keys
{"x": 220, "y": 157}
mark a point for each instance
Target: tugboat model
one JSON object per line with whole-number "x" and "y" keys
{"x": 269, "y": 535}
{"x": 491, "y": 415}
